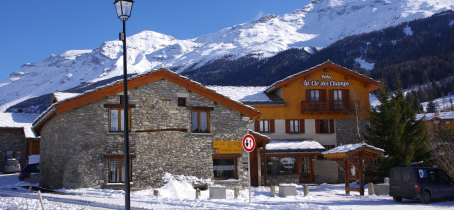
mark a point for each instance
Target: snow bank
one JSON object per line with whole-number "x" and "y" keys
{"x": 31, "y": 204}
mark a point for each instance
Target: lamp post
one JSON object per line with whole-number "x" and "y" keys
{"x": 124, "y": 8}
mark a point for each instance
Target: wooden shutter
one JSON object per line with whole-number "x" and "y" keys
{"x": 287, "y": 126}
{"x": 302, "y": 127}
{"x": 346, "y": 100}
{"x": 257, "y": 126}
{"x": 323, "y": 95}
{"x": 272, "y": 126}
{"x": 308, "y": 94}
{"x": 331, "y": 126}
{"x": 317, "y": 126}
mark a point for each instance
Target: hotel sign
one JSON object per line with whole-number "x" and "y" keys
{"x": 228, "y": 147}
{"x": 331, "y": 83}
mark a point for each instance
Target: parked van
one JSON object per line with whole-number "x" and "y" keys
{"x": 421, "y": 183}
{"x": 33, "y": 159}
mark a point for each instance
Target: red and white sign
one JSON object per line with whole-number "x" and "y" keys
{"x": 248, "y": 143}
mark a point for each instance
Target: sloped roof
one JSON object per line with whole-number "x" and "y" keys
{"x": 243, "y": 93}
{"x": 351, "y": 147}
{"x": 374, "y": 84}
{"x": 18, "y": 120}
{"x": 61, "y": 96}
{"x": 115, "y": 87}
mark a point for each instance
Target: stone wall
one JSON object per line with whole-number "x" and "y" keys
{"x": 12, "y": 140}
{"x": 347, "y": 131}
{"x": 73, "y": 143}
{"x": 327, "y": 170}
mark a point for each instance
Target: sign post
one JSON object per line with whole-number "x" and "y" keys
{"x": 249, "y": 146}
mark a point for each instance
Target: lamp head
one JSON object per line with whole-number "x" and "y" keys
{"x": 124, "y": 8}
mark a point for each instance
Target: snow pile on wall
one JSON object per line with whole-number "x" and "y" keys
{"x": 167, "y": 178}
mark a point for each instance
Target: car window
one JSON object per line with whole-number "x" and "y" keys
{"x": 432, "y": 176}
{"x": 37, "y": 167}
{"x": 396, "y": 175}
{"x": 406, "y": 175}
{"x": 12, "y": 162}
{"x": 443, "y": 176}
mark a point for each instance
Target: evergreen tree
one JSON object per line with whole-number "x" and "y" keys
{"x": 394, "y": 128}
{"x": 431, "y": 106}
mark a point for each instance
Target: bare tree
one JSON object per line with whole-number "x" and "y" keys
{"x": 357, "y": 110}
{"x": 442, "y": 148}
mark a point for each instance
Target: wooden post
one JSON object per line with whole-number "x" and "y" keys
{"x": 40, "y": 199}
{"x": 273, "y": 191}
{"x": 156, "y": 192}
{"x": 346, "y": 170}
{"x": 306, "y": 189}
{"x": 266, "y": 166}
{"x": 197, "y": 193}
{"x": 361, "y": 184}
{"x": 236, "y": 192}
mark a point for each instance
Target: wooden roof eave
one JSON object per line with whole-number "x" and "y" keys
{"x": 154, "y": 76}
{"x": 373, "y": 85}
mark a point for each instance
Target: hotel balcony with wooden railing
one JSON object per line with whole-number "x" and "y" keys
{"x": 345, "y": 106}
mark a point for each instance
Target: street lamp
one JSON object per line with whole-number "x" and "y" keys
{"x": 124, "y": 8}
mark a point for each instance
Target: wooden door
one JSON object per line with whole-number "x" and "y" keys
{"x": 305, "y": 168}
{"x": 254, "y": 167}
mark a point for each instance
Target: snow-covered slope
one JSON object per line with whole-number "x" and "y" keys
{"x": 318, "y": 24}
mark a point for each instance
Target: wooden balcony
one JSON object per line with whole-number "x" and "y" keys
{"x": 329, "y": 106}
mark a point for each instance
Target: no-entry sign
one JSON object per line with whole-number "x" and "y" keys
{"x": 248, "y": 143}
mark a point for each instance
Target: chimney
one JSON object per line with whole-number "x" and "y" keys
{"x": 437, "y": 113}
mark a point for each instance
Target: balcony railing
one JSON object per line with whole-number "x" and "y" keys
{"x": 329, "y": 106}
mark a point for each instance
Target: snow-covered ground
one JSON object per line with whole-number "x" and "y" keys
{"x": 180, "y": 195}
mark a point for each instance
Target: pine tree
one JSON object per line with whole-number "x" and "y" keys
{"x": 431, "y": 106}
{"x": 394, "y": 128}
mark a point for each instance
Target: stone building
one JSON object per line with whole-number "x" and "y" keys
{"x": 16, "y": 137}
{"x": 175, "y": 124}
{"x": 303, "y": 115}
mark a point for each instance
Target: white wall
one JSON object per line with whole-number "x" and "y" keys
{"x": 279, "y": 127}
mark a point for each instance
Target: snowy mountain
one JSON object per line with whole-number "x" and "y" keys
{"x": 318, "y": 24}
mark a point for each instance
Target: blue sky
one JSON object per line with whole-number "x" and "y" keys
{"x": 33, "y": 30}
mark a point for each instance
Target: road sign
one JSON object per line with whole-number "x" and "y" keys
{"x": 227, "y": 147}
{"x": 248, "y": 143}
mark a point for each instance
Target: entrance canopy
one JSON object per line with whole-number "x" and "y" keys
{"x": 294, "y": 146}
{"x": 355, "y": 158}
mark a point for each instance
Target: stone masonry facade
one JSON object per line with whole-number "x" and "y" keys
{"x": 74, "y": 144}
{"x": 12, "y": 140}
{"x": 347, "y": 131}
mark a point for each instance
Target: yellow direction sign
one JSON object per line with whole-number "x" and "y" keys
{"x": 227, "y": 147}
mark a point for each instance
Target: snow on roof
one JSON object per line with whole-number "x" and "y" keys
{"x": 271, "y": 87}
{"x": 243, "y": 94}
{"x": 351, "y": 147}
{"x": 18, "y": 120}
{"x": 443, "y": 116}
{"x": 258, "y": 134}
{"x": 61, "y": 96}
{"x": 294, "y": 145}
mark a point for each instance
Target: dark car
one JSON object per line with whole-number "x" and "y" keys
{"x": 421, "y": 183}
{"x": 27, "y": 171}
{"x": 11, "y": 166}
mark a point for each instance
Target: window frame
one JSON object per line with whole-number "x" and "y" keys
{"x": 262, "y": 126}
{"x": 198, "y": 121}
{"x": 120, "y": 120}
{"x": 322, "y": 126}
{"x": 14, "y": 154}
{"x": 295, "y": 127}
{"x": 236, "y": 166}
{"x": 295, "y": 169}
{"x": 120, "y": 167}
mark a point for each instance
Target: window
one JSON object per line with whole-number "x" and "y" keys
{"x": 281, "y": 165}
{"x": 14, "y": 154}
{"x": 337, "y": 99}
{"x": 181, "y": 101}
{"x": 116, "y": 119}
{"x": 265, "y": 126}
{"x": 224, "y": 168}
{"x": 294, "y": 126}
{"x": 315, "y": 95}
{"x": 200, "y": 121}
{"x": 117, "y": 171}
{"x": 324, "y": 126}
{"x": 443, "y": 176}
